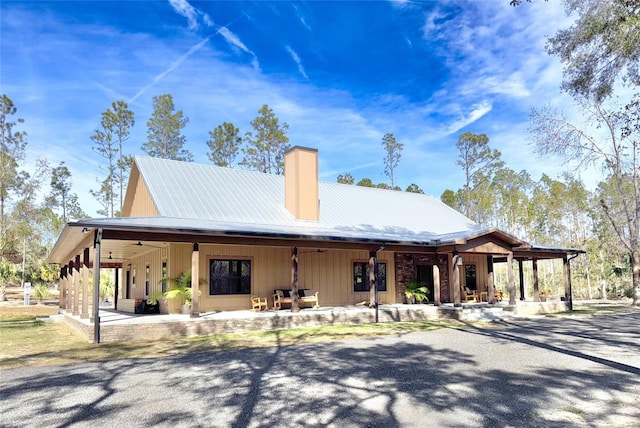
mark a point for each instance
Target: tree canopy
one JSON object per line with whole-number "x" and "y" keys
{"x": 267, "y": 144}
{"x": 164, "y": 131}
{"x": 224, "y": 144}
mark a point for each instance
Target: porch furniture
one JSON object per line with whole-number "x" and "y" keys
{"x": 497, "y": 294}
{"x": 305, "y": 297}
{"x": 138, "y": 306}
{"x": 469, "y": 295}
{"x": 484, "y": 296}
{"x": 259, "y": 304}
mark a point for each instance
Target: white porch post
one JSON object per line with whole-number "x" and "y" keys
{"x": 195, "y": 281}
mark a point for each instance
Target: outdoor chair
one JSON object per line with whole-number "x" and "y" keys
{"x": 469, "y": 295}
{"x": 259, "y": 304}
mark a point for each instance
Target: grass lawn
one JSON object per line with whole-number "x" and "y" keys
{"x": 51, "y": 343}
{"x": 23, "y": 313}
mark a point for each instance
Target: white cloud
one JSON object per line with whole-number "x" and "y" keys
{"x": 185, "y": 9}
{"x": 478, "y": 111}
{"x": 236, "y": 43}
{"x": 297, "y": 60}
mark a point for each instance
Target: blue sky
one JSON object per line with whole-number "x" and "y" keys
{"x": 341, "y": 74}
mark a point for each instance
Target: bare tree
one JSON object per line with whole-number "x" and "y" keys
{"x": 616, "y": 151}
{"x": 392, "y": 158}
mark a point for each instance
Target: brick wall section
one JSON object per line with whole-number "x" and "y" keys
{"x": 406, "y": 272}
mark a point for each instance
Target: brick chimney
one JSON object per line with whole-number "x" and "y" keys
{"x": 301, "y": 183}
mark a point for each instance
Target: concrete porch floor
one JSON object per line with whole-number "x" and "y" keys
{"x": 120, "y": 326}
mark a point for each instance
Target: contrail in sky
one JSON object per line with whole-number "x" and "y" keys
{"x": 173, "y": 66}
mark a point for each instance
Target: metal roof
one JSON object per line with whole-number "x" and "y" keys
{"x": 235, "y": 198}
{"x": 208, "y": 200}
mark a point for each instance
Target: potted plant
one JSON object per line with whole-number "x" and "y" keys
{"x": 416, "y": 292}
{"x": 543, "y": 295}
{"x": 180, "y": 289}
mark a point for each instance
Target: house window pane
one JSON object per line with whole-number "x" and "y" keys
{"x": 361, "y": 276}
{"x": 470, "y": 277}
{"x": 147, "y": 275}
{"x": 229, "y": 277}
{"x": 164, "y": 276}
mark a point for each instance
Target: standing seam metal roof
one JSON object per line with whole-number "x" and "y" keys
{"x": 215, "y": 194}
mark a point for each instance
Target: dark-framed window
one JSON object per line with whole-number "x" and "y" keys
{"x": 470, "y": 277}
{"x": 164, "y": 276}
{"x": 147, "y": 277}
{"x": 229, "y": 277}
{"x": 128, "y": 283}
{"x": 361, "y": 276}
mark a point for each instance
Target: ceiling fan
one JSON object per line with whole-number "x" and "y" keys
{"x": 140, "y": 244}
{"x": 115, "y": 259}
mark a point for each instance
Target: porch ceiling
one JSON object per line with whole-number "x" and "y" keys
{"x": 126, "y": 238}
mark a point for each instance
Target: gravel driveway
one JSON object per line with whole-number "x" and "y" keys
{"x": 537, "y": 372}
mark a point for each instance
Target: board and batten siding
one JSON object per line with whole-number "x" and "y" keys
{"x": 482, "y": 272}
{"x": 138, "y": 201}
{"x": 154, "y": 260}
{"x": 329, "y": 272}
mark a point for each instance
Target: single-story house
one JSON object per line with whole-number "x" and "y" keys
{"x": 244, "y": 233}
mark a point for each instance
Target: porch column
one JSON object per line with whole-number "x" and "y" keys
{"x": 536, "y": 285}
{"x": 491, "y": 294}
{"x": 294, "y": 280}
{"x": 455, "y": 274}
{"x": 116, "y": 289}
{"x": 97, "y": 241}
{"x": 195, "y": 281}
{"x": 567, "y": 282}
{"x": 436, "y": 285}
{"x": 76, "y": 285}
{"x": 521, "y": 278}
{"x": 511, "y": 286}
{"x": 62, "y": 296}
{"x": 373, "y": 301}
{"x": 85, "y": 284}
{"x": 69, "y": 301}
